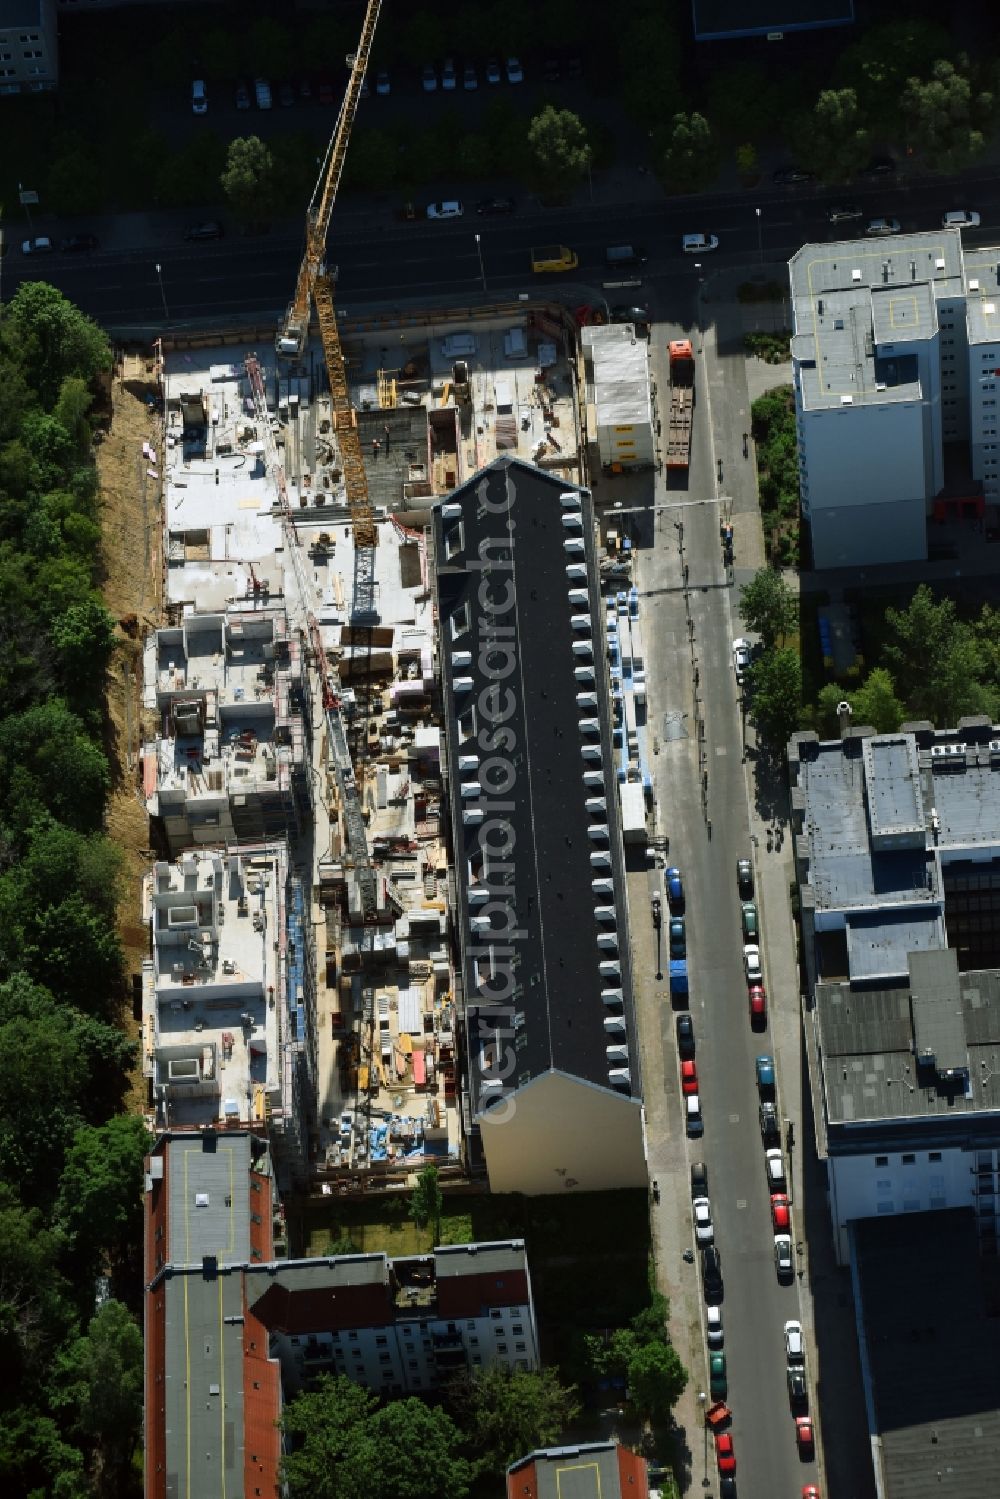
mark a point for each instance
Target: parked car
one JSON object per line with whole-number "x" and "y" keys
{"x": 810, "y": 1491}
{"x": 725, "y": 1453}
{"x": 795, "y": 1348}
{"x": 449, "y": 78}
{"x": 689, "y": 1078}
{"x": 324, "y": 91}
{"x": 791, "y": 176}
{"x": 470, "y": 78}
{"x": 784, "y": 1264}
{"x": 751, "y": 963}
{"x": 625, "y": 314}
{"x": 701, "y": 1212}
{"x": 262, "y": 93}
{"x": 695, "y": 1124}
{"x": 718, "y": 1383}
{"x": 41, "y": 245}
{"x": 675, "y": 889}
{"x": 882, "y": 226}
{"x": 493, "y": 71}
{"x": 199, "y": 97}
{"x": 78, "y": 242}
{"x": 764, "y": 1066}
{"x": 304, "y": 88}
{"x": 450, "y": 209}
{"x": 685, "y": 1035}
{"x": 211, "y": 229}
{"x": 699, "y": 1179}
{"x": 429, "y": 78}
{"x": 757, "y": 1002}
{"x": 741, "y": 657}
{"x": 515, "y": 73}
{"x": 714, "y": 1331}
{"x": 960, "y": 218}
{"x": 774, "y": 1167}
{"x": 711, "y": 1273}
{"x": 744, "y": 879}
{"x": 844, "y": 212}
{"x": 699, "y": 244}
{"x": 748, "y": 916}
{"x": 286, "y": 95}
{"x": 769, "y": 1131}
{"x": 804, "y": 1437}
{"x": 798, "y": 1394}
{"x": 495, "y": 207}
{"x": 383, "y": 83}
{"x": 678, "y": 937}
{"x": 780, "y": 1215}
{"x": 551, "y": 70}
{"x": 882, "y": 166}
{"x": 727, "y": 1486}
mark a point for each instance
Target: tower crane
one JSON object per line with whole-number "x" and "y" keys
{"x": 315, "y": 285}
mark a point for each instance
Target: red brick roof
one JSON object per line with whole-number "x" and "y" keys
{"x": 467, "y": 1295}
{"x": 323, "y": 1310}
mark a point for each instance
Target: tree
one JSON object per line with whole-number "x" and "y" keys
{"x": 44, "y": 1078}
{"x": 99, "y": 1206}
{"x": 505, "y": 1413}
{"x": 374, "y": 160}
{"x": 776, "y": 695}
{"x": 47, "y": 761}
{"x": 836, "y": 139}
{"x": 944, "y": 117}
{"x": 559, "y": 145}
{"x": 248, "y": 178}
{"x": 97, "y": 1387}
{"x": 936, "y": 660}
{"x": 768, "y": 606}
{"x": 406, "y": 1450}
{"x": 656, "y": 1380}
{"x": 654, "y": 84}
{"x": 34, "y": 1459}
{"x": 875, "y": 702}
{"x": 318, "y": 1427}
{"x": 35, "y": 1314}
{"x": 55, "y": 339}
{"x": 744, "y": 103}
{"x": 427, "y": 1201}
{"x": 880, "y": 61}
{"x": 688, "y": 153}
{"x": 747, "y": 161}
{"x": 83, "y": 639}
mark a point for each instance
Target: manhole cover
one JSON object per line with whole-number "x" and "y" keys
{"x": 673, "y": 726}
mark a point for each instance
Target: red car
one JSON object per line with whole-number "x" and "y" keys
{"x": 810, "y": 1491}
{"x": 758, "y": 1003}
{"x": 724, "y": 1454}
{"x": 804, "y": 1435}
{"x": 689, "y": 1077}
{"x": 780, "y": 1216}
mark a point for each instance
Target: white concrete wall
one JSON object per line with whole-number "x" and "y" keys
{"x": 562, "y": 1134}
{"x": 885, "y": 1183}
{"x": 984, "y": 404}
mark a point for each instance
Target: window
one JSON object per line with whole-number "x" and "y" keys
{"x": 501, "y": 1348}
{"x": 381, "y": 1342}
{"x": 353, "y": 1337}
{"x": 908, "y": 1160}
{"x": 518, "y": 1330}
{"x": 412, "y": 1364}
{"x": 519, "y": 1347}
{"x": 471, "y": 1326}
{"x": 496, "y": 1315}
{"x": 385, "y": 1358}
{"x": 881, "y": 1160}
{"x": 883, "y": 1184}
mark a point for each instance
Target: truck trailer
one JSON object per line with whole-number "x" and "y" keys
{"x": 681, "y": 402}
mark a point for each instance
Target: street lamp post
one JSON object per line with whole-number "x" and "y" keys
{"x": 760, "y": 239}
{"x": 482, "y": 268}
{"x": 163, "y": 295}
{"x": 702, "y": 1397}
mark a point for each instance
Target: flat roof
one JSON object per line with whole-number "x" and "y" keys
{"x": 855, "y": 301}
{"x": 589, "y": 1471}
{"x": 879, "y": 943}
{"x": 716, "y": 19}
{"x": 930, "y": 1337}
{"x": 892, "y": 783}
{"x": 870, "y": 1040}
{"x": 622, "y": 389}
{"x": 512, "y": 521}
{"x": 207, "y": 1217}
{"x": 982, "y": 293}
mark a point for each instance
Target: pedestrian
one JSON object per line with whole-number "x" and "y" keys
{"x": 375, "y": 447}
{"x": 386, "y": 431}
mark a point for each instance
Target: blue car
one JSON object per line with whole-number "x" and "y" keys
{"x": 678, "y": 938}
{"x": 765, "y": 1076}
{"x": 675, "y": 889}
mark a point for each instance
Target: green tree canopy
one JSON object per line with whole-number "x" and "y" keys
{"x": 769, "y": 607}
{"x": 49, "y": 762}
{"x": 55, "y": 339}
{"x": 559, "y": 145}
{"x": 688, "y": 153}
{"x": 505, "y": 1413}
{"x": 884, "y": 56}
{"x": 318, "y": 1428}
{"x": 99, "y": 1206}
{"x": 836, "y": 138}
{"x": 945, "y": 116}
{"x": 97, "y": 1388}
{"x": 936, "y": 661}
{"x": 776, "y": 696}
{"x": 656, "y": 1380}
{"x": 35, "y": 1313}
{"x": 426, "y": 1202}
{"x": 248, "y": 178}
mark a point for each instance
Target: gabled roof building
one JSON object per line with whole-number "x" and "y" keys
{"x": 554, "y": 1088}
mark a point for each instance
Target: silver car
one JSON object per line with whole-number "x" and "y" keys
{"x": 783, "y": 1262}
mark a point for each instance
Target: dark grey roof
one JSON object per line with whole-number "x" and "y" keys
{"x": 936, "y": 1006}
{"x": 932, "y": 1353}
{"x": 735, "y": 18}
{"x": 879, "y": 943}
{"x": 892, "y": 781}
{"x": 587, "y": 1472}
{"x": 869, "y": 1043}
{"x": 206, "y": 1179}
{"x": 20, "y": 13}
{"x": 504, "y": 536}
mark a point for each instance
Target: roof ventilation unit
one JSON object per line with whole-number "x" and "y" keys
{"x": 576, "y": 570}
{"x": 607, "y": 941}
{"x": 584, "y": 673}
{"x": 612, "y": 997}
{"x": 603, "y": 887}
{"x": 580, "y": 622}
{"x": 460, "y": 659}
{"x": 586, "y": 700}
{"x": 598, "y": 831}
{"x": 590, "y": 725}
{"x": 595, "y": 804}
{"x": 579, "y": 596}
{"x": 591, "y": 752}
{"x": 451, "y": 512}
{"x": 584, "y": 649}
{"x": 606, "y": 913}
{"x": 574, "y": 546}
{"x": 573, "y": 521}
{"x": 462, "y": 684}
{"x": 614, "y": 1025}
{"x": 569, "y": 501}
{"x": 609, "y": 969}
{"x": 617, "y": 1053}
{"x": 620, "y": 1078}
{"x": 600, "y": 859}
{"x": 593, "y": 778}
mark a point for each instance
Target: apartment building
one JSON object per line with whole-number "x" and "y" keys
{"x": 593, "y": 1468}
{"x": 897, "y": 845}
{"x": 895, "y": 355}
{"x": 554, "y": 1087}
{"x": 29, "y": 46}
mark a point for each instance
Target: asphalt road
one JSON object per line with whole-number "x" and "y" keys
{"x": 382, "y": 260}
{"x": 756, "y": 1305}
